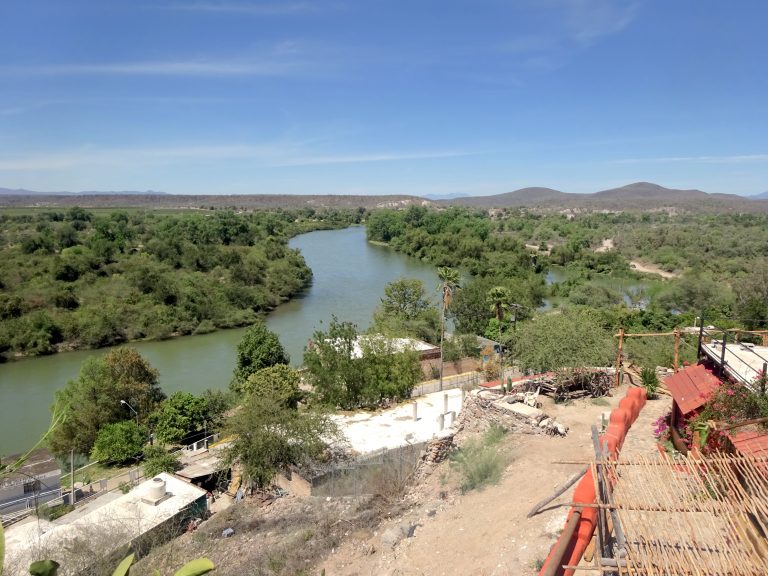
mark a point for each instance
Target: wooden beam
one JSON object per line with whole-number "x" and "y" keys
{"x": 618, "y": 358}
{"x": 644, "y": 334}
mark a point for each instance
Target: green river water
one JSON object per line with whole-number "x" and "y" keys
{"x": 349, "y": 279}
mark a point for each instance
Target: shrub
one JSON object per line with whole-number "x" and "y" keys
{"x": 650, "y": 382}
{"x": 53, "y": 512}
{"x": 157, "y": 460}
{"x": 479, "y": 461}
{"x": 118, "y": 442}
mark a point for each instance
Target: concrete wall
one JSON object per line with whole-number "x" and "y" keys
{"x": 293, "y": 483}
{"x": 13, "y": 498}
{"x": 449, "y": 368}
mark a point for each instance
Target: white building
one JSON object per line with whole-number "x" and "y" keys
{"x": 103, "y": 531}
{"x": 37, "y": 481}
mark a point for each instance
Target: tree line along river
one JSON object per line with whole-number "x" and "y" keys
{"x": 349, "y": 279}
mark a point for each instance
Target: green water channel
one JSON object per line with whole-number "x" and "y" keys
{"x": 349, "y": 279}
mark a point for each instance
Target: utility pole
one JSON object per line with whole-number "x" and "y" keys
{"x": 72, "y": 474}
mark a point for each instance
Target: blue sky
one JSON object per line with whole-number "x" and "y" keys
{"x": 381, "y": 96}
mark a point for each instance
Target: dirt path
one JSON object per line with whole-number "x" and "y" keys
{"x": 605, "y": 246}
{"x": 652, "y": 269}
{"x": 485, "y": 532}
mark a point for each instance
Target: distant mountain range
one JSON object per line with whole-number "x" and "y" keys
{"x": 22, "y": 192}
{"x": 26, "y": 198}
{"x": 442, "y": 196}
{"x": 637, "y": 196}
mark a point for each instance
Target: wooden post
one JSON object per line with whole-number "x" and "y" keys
{"x": 676, "y": 362}
{"x": 617, "y": 380}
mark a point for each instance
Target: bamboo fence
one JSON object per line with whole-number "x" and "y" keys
{"x": 702, "y": 517}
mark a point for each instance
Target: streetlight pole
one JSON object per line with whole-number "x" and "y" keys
{"x": 132, "y": 410}
{"x": 137, "y": 427}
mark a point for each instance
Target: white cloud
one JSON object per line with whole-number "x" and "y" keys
{"x": 256, "y": 8}
{"x": 361, "y": 158}
{"x": 268, "y": 155}
{"x": 12, "y": 111}
{"x": 260, "y": 67}
{"x": 588, "y": 20}
{"x": 735, "y": 159}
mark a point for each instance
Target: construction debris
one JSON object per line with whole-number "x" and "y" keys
{"x": 570, "y": 384}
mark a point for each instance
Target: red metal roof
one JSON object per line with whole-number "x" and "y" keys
{"x": 692, "y": 386}
{"x": 750, "y": 443}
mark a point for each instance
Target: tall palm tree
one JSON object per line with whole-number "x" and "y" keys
{"x": 500, "y": 298}
{"x": 449, "y": 283}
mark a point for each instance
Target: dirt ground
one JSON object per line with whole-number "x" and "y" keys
{"x": 487, "y": 532}
{"x": 442, "y": 531}
{"x": 652, "y": 269}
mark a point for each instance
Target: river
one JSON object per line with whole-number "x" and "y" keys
{"x": 349, "y": 279}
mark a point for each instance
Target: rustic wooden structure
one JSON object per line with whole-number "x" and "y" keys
{"x": 671, "y": 516}
{"x": 619, "y": 354}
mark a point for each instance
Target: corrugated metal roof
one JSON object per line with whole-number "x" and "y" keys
{"x": 750, "y": 442}
{"x": 692, "y": 386}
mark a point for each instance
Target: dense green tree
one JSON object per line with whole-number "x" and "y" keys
{"x": 406, "y": 310}
{"x": 279, "y": 380}
{"x": 93, "y": 400}
{"x": 179, "y": 416}
{"x": 269, "y": 436}
{"x": 449, "y": 283}
{"x": 384, "y": 225}
{"x": 146, "y": 275}
{"x": 752, "y": 297}
{"x": 352, "y": 371}
{"x": 259, "y": 348}
{"x": 116, "y": 443}
{"x": 406, "y": 298}
{"x": 500, "y": 302}
{"x": 157, "y": 459}
{"x": 594, "y": 296}
{"x": 460, "y": 346}
{"x": 218, "y": 403}
{"x": 696, "y": 292}
{"x": 559, "y": 340}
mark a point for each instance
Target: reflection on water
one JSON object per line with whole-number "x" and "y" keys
{"x": 349, "y": 279}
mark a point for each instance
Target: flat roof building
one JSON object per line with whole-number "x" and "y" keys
{"x": 102, "y": 533}
{"x": 36, "y": 481}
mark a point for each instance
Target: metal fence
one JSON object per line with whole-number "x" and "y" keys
{"x": 201, "y": 444}
{"x": 18, "y": 509}
{"x": 470, "y": 379}
{"x": 384, "y": 472}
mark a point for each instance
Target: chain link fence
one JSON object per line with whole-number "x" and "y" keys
{"x": 469, "y": 379}
{"x": 383, "y": 473}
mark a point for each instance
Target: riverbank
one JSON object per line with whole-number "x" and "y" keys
{"x": 168, "y": 276}
{"x": 67, "y": 347}
{"x": 349, "y": 279}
